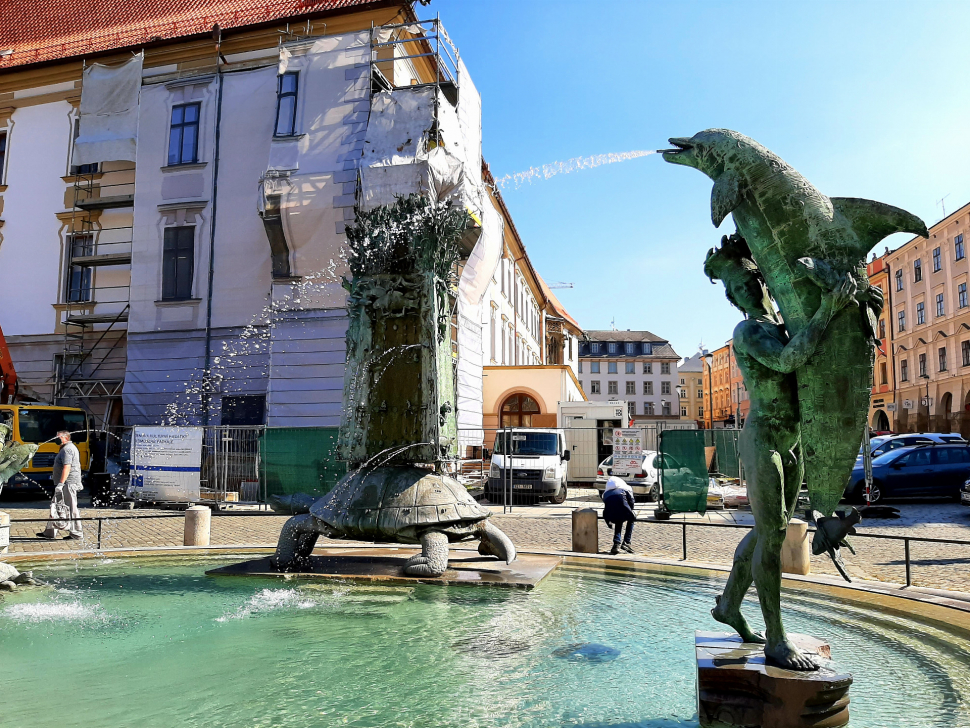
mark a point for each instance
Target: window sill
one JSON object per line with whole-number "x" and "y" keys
{"x": 183, "y": 167}
{"x": 287, "y": 137}
{"x": 179, "y": 302}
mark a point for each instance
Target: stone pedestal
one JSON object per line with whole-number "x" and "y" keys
{"x": 735, "y": 688}
{"x": 4, "y": 532}
{"x": 198, "y": 520}
{"x": 585, "y": 531}
{"x": 796, "y": 553}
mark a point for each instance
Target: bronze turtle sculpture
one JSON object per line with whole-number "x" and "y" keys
{"x": 10, "y": 578}
{"x": 406, "y": 504}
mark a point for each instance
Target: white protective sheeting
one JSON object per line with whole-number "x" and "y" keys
{"x": 109, "y": 112}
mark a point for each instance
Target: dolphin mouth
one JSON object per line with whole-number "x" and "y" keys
{"x": 680, "y": 145}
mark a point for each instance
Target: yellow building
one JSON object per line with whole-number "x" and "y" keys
{"x": 691, "y": 388}
{"x": 930, "y": 319}
{"x": 882, "y": 403}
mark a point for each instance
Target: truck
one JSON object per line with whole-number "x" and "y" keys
{"x": 528, "y": 461}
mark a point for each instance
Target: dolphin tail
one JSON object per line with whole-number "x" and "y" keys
{"x": 872, "y": 221}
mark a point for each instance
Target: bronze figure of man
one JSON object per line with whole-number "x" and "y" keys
{"x": 770, "y": 442}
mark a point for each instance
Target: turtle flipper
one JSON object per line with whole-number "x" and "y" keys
{"x": 297, "y": 539}
{"x": 433, "y": 560}
{"x": 495, "y": 543}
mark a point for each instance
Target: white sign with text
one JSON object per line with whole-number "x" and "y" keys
{"x": 166, "y": 464}
{"x": 627, "y": 450}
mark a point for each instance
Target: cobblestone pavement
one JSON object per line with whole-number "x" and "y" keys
{"x": 934, "y": 565}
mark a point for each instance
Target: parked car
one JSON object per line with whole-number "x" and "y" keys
{"x": 643, "y": 481}
{"x": 965, "y": 493}
{"x": 884, "y": 444}
{"x": 936, "y": 469}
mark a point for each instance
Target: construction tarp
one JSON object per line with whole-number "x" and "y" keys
{"x": 109, "y": 112}
{"x": 683, "y": 475}
{"x": 300, "y": 460}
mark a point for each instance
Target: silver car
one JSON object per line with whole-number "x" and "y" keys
{"x": 643, "y": 482}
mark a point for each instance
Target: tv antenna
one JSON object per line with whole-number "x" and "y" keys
{"x": 941, "y": 204}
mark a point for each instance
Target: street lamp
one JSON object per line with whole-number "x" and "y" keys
{"x": 926, "y": 376}
{"x": 709, "y": 359}
{"x": 680, "y": 397}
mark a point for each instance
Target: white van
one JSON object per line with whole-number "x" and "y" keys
{"x": 538, "y": 460}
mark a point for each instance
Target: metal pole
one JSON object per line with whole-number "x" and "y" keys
{"x": 867, "y": 463}
{"x": 684, "y": 535}
{"x": 99, "y": 534}
{"x": 909, "y": 579}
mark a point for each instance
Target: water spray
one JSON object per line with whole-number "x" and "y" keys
{"x": 517, "y": 179}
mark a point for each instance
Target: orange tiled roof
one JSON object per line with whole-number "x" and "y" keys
{"x": 46, "y": 30}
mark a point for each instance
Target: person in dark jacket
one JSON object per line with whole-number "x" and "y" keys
{"x": 618, "y": 507}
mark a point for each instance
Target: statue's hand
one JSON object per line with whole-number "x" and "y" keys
{"x": 843, "y": 294}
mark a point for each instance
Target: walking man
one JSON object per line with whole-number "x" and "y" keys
{"x": 618, "y": 505}
{"x": 65, "y": 515}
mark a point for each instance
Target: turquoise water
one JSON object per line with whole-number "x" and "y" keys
{"x": 156, "y": 643}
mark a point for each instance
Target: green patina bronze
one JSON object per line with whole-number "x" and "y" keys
{"x": 13, "y": 455}
{"x": 808, "y": 371}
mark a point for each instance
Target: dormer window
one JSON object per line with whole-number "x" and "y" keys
{"x": 612, "y": 348}
{"x": 594, "y": 348}
{"x": 630, "y": 348}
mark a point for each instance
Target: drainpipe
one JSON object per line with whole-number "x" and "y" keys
{"x": 212, "y": 250}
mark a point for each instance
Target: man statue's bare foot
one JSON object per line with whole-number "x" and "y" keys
{"x": 736, "y": 620}
{"x": 785, "y": 655}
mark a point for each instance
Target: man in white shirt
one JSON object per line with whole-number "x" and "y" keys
{"x": 65, "y": 515}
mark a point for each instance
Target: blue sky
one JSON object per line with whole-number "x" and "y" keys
{"x": 866, "y": 99}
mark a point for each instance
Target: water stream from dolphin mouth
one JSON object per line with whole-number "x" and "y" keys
{"x": 517, "y": 179}
{"x": 154, "y": 643}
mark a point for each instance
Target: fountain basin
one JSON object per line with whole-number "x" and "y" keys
{"x": 152, "y": 641}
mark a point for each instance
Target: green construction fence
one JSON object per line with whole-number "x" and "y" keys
{"x": 300, "y": 460}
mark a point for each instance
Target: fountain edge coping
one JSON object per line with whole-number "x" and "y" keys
{"x": 949, "y": 610}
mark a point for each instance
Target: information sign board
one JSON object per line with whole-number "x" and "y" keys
{"x": 627, "y": 450}
{"x": 166, "y": 464}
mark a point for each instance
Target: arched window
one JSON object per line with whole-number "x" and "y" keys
{"x": 517, "y": 411}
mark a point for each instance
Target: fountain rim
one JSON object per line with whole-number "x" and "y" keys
{"x": 942, "y": 609}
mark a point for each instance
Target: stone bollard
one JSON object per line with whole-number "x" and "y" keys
{"x": 198, "y": 519}
{"x": 585, "y": 531}
{"x": 4, "y": 532}
{"x": 795, "y": 552}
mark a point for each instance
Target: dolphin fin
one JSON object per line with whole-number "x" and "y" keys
{"x": 725, "y": 196}
{"x": 872, "y": 221}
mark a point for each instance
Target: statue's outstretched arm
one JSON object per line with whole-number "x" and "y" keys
{"x": 757, "y": 341}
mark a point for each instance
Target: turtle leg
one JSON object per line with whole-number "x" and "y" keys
{"x": 494, "y": 542}
{"x": 433, "y": 560}
{"x": 7, "y": 586}
{"x": 26, "y": 578}
{"x": 297, "y": 539}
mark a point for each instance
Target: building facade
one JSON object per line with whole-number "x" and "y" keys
{"x": 691, "y": 376}
{"x": 635, "y": 366}
{"x": 718, "y": 387}
{"x": 930, "y": 319}
{"x": 186, "y": 264}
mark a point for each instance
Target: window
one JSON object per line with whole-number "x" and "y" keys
{"x": 580, "y": 367}
{"x": 648, "y": 408}
{"x": 183, "y": 139}
{"x": 665, "y": 367}
{"x": 939, "y": 304}
{"x": 611, "y": 367}
{"x": 922, "y": 365}
{"x": 682, "y": 393}
{"x": 630, "y": 348}
{"x": 700, "y": 411}
{"x": 882, "y": 328}
{"x": 631, "y": 387}
{"x": 683, "y": 411}
{"x": 648, "y": 388}
{"x": 594, "y": 367}
{"x": 612, "y": 388}
{"x": 665, "y": 388}
{"x": 950, "y": 455}
{"x": 631, "y": 367}
{"x": 666, "y": 409}
{"x": 245, "y": 409}
{"x": 612, "y": 348}
{"x": 904, "y": 370}
{"x": 517, "y": 411}
{"x": 492, "y": 340}
{"x": 594, "y": 348}
{"x": 883, "y": 377}
{"x": 920, "y": 317}
{"x": 178, "y": 260}
{"x": 79, "y": 276}
{"x": 958, "y": 247}
{"x": 962, "y": 295}
{"x": 631, "y": 409}
{"x": 3, "y": 152}
{"x": 941, "y": 353}
{"x": 965, "y": 351}
{"x": 901, "y": 321}
{"x": 899, "y": 280}
{"x": 700, "y": 394}
{"x": 647, "y": 348}
{"x": 936, "y": 259}
{"x": 917, "y": 270}
{"x": 594, "y": 387}
{"x": 647, "y": 368}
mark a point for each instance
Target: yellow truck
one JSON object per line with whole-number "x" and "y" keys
{"x": 39, "y": 424}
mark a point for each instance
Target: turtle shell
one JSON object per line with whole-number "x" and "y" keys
{"x": 399, "y": 504}
{"x": 7, "y": 572}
